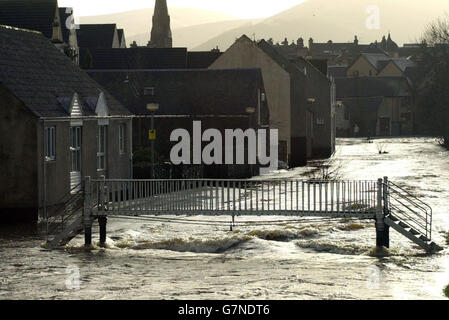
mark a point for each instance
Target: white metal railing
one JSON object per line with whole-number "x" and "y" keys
{"x": 235, "y": 197}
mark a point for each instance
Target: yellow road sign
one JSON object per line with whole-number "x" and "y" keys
{"x": 152, "y": 135}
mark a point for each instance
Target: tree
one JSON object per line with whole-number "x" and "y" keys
{"x": 433, "y": 88}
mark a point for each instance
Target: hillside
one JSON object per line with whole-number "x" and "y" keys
{"x": 340, "y": 21}
{"x": 139, "y": 22}
{"x": 193, "y": 36}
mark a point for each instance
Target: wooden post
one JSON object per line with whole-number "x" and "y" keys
{"x": 87, "y": 212}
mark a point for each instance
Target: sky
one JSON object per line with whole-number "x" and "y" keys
{"x": 244, "y": 9}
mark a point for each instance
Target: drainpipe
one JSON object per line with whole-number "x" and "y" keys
{"x": 131, "y": 147}
{"x": 44, "y": 175}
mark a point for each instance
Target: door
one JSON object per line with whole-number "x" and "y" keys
{"x": 75, "y": 159}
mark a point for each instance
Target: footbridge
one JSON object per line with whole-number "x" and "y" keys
{"x": 382, "y": 201}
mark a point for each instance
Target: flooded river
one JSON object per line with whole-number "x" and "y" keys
{"x": 263, "y": 258}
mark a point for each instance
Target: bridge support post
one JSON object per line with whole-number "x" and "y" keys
{"x": 87, "y": 212}
{"x": 382, "y": 230}
{"x": 102, "y": 221}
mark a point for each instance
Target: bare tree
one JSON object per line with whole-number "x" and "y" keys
{"x": 432, "y": 91}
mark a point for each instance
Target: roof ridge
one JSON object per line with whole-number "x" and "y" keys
{"x": 19, "y": 29}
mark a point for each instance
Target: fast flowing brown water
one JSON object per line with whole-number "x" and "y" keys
{"x": 148, "y": 259}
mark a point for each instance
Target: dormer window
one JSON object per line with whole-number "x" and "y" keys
{"x": 75, "y": 109}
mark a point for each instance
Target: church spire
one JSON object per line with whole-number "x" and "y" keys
{"x": 161, "y": 33}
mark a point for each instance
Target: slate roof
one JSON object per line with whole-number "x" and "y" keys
{"x": 379, "y": 61}
{"x": 201, "y": 59}
{"x": 44, "y": 79}
{"x": 372, "y": 87}
{"x": 371, "y": 49}
{"x": 279, "y": 58}
{"x": 185, "y": 92}
{"x": 403, "y": 63}
{"x": 96, "y": 35}
{"x": 29, "y": 14}
{"x": 318, "y": 49}
{"x": 337, "y": 71}
{"x": 147, "y": 58}
{"x": 319, "y": 64}
{"x": 134, "y": 58}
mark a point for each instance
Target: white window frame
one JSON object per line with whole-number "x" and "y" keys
{"x": 75, "y": 148}
{"x": 122, "y": 138}
{"x": 102, "y": 147}
{"x": 50, "y": 144}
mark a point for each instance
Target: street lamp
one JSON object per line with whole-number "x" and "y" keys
{"x": 152, "y": 107}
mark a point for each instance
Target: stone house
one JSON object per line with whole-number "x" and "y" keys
{"x": 381, "y": 65}
{"x": 57, "y": 126}
{"x": 292, "y": 98}
{"x": 220, "y": 99}
{"x": 379, "y": 106}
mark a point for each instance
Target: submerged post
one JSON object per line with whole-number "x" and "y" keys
{"x": 102, "y": 218}
{"x": 382, "y": 230}
{"x": 386, "y": 211}
{"x": 87, "y": 212}
{"x": 102, "y": 221}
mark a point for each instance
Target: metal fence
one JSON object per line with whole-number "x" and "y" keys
{"x": 409, "y": 209}
{"x": 235, "y": 197}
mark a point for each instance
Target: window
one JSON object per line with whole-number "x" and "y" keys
{"x": 320, "y": 121}
{"x": 346, "y": 114}
{"x": 148, "y": 91}
{"x": 101, "y": 155}
{"x": 75, "y": 149}
{"x": 122, "y": 138}
{"x": 50, "y": 144}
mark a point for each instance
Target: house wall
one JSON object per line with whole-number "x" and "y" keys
{"x": 57, "y": 180}
{"x": 395, "y": 109}
{"x": 18, "y": 147}
{"x": 301, "y": 124}
{"x": 391, "y": 70}
{"x": 343, "y": 121}
{"x": 116, "y": 40}
{"x": 246, "y": 54}
{"x": 323, "y": 91}
{"x": 119, "y": 165}
{"x": 363, "y": 67}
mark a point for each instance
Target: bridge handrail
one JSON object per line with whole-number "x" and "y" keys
{"x": 236, "y": 196}
{"x": 418, "y": 213}
{"x": 409, "y": 195}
